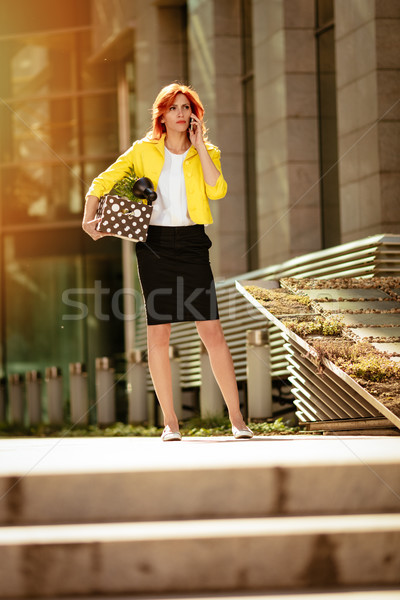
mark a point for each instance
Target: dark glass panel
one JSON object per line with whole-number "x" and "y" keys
{"x": 325, "y": 12}
{"x": 34, "y": 193}
{"x": 61, "y": 308}
{"x": 99, "y": 113}
{"x": 37, "y": 336}
{"x": 329, "y": 184}
{"x": 249, "y": 133}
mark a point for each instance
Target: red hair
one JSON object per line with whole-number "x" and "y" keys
{"x": 165, "y": 99}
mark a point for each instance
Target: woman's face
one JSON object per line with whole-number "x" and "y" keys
{"x": 177, "y": 117}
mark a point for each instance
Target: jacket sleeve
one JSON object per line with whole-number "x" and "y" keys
{"x": 104, "y": 182}
{"x": 217, "y": 191}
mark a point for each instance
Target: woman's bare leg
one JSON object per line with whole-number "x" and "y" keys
{"x": 213, "y": 338}
{"x": 160, "y": 370}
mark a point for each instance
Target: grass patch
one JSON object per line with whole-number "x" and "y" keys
{"x": 360, "y": 360}
{"x": 193, "y": 428}
{"x": 279, "y": 300}
{"x": 328, "y": 326}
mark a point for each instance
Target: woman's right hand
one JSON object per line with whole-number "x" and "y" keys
{"x": 90, "y": 220}
{"x": 90, "y": 228}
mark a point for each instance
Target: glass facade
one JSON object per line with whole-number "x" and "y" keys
{"x": 59, "y": 129}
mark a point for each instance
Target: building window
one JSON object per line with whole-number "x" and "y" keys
{"x": 249, "y": 134}
{"x": 326, "y": 81}
{"x": 58, "y": 114}
{"x": 59, "y": 124}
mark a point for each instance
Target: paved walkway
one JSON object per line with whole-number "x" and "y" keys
{"x": 77, "y": 455}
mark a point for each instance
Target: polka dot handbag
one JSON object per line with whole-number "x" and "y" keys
{"x": 122, "y": 218}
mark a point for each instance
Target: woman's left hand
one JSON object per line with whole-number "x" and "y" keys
{"x": 196, "y": 132}
{"x": 210, "y": 171}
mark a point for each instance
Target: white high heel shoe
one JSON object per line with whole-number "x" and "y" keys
{"x": 242, "y": 434}
{"x": 170, "y": 436}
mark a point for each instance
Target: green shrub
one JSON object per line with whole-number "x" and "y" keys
{"x": 197, "y": 427}
{"x": 124, "y": 186}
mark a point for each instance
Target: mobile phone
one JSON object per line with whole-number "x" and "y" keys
{"x": 191, "y": 123}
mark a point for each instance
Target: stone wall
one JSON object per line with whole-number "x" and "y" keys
{"x": 368, "y": 93}
{"x": 214, "y": 30}
{"x": 286, "y": 129}
{"x": 160, "y": 55}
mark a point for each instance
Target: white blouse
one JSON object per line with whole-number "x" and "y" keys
{"x": 170, "y": 208}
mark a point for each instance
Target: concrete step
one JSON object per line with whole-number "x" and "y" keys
{"x": 200, "y": 556}
{"x": 118, "y": 480}
{"x": 216, "y": 493}
{"x": 344, "y": 594}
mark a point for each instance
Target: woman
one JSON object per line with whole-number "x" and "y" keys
{"x": 174, "y": 268}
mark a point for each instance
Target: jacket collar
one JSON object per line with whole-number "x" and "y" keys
{"x": 160, "y": 145}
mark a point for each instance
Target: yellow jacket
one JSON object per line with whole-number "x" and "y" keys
{"x": 147, "y": 157}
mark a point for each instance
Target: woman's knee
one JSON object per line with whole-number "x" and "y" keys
{"x": 158, "y": 335}
{"x": 211, "y": 333}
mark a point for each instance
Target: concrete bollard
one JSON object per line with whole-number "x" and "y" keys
{"x": 174, "y": 361}
{"x": 105, "y": 391}
{"x": 259, "y": 386}
{"x": 78, "y": 388}
{"x": 211, "y": 400}
{"x": 33, "y": 386}
{"x": 136, "y": 376}
{"x": 3, "y": 400}
{"x": 16, "y": 399}
{"x": 55, "y": 401}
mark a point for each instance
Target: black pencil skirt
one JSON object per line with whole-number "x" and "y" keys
{"x": 175, "y": 275}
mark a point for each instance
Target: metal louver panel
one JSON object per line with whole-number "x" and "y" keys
{"x": 326, "y": 393}
{"x": 329, "y": 397}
